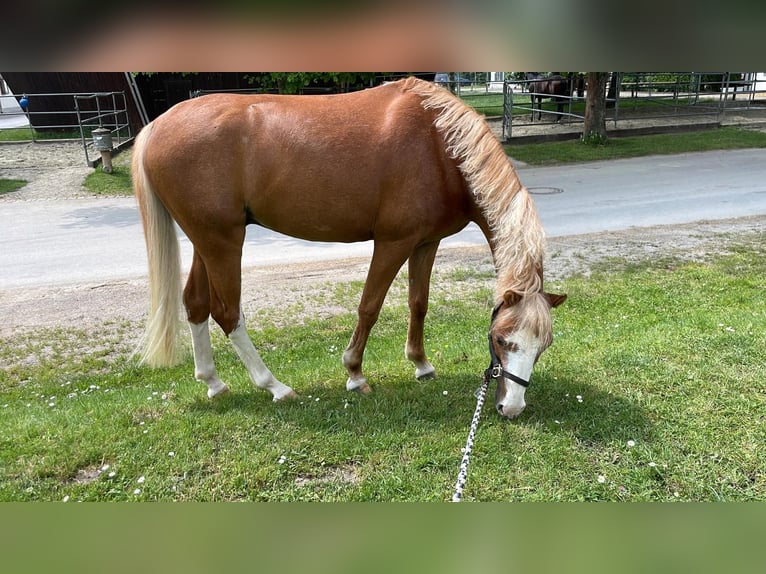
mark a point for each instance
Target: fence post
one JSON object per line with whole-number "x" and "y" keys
{"x": 102, "y": 141}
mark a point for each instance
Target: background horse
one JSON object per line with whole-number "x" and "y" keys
{"x": 404, "y": 164}
{"x": 556, "y": 87}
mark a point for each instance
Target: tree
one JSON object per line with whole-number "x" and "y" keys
{"x": 295, "y": 82}
{"x": 594, "y": 130}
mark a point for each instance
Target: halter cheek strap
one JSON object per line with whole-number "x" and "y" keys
{"x": 495, "y": 369}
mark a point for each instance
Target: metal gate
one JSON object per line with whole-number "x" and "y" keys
{"x": 107, "y": 110}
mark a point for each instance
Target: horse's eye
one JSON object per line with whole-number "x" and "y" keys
{"x": 509, "y": 346}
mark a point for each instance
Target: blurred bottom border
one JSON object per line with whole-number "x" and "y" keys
{"x": 418, "y": 537}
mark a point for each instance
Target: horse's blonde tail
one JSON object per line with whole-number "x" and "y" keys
{"x": 160, "y": 345}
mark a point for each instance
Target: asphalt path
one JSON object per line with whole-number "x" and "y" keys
{"x": 60, "y": 242}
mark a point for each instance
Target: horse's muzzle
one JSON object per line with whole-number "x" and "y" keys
{"x": 509, "y": 404}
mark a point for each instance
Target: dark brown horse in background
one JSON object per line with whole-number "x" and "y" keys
{"x": 556, "y": 87}
{"x": 404, "y": 165}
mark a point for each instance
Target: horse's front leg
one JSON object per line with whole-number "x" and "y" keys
{"x": 420, "y": 265}
{"x": 387, "y": 259}
{"x": 559, "y": 109}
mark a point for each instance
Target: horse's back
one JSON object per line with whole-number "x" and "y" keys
{"x": 260, "y": 116}
{"x": 361, "y": 160}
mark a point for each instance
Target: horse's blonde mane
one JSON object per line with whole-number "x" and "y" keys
{"x": 518, "y": 235}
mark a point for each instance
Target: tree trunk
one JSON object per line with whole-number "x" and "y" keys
{"x": 594, "y": 130}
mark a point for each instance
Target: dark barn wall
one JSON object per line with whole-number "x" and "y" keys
{"x": 68, "y": 82}
{"x": 163, "y": 90}
{"x": 159, "y": 91}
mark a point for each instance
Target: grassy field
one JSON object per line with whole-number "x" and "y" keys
{"x": 619, "y": 148}
{"x": 652, "y": 391}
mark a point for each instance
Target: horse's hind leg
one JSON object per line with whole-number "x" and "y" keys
{"x": 215, "y": 288}
{"x": 260, "y": 374}
{"x": 224, "y": 279}
{"x": 197, "y": 303}
{"x": 420, "y": 265}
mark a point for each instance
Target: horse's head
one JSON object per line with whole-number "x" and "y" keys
{"x": 521, "y": 330}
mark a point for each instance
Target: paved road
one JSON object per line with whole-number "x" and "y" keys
{"x": 99, "y": 240}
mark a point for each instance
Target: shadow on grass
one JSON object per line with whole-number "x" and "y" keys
{"x": 445, "y": 404}
{"x": 590, "y": 413}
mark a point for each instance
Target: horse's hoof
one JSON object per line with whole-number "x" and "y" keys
{"x": 427, "y": 375}
{"x": 358, "y": 385}
{"x": 217, "y": 392}
{"x": 363, "y": 389}
{"x": 291, "y": 396}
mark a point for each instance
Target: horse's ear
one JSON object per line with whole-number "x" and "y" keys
{"x": 511, "y": 297}
{"x": 555, "y": 300}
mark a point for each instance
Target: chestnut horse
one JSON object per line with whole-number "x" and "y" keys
{"x": 404, "y": 164}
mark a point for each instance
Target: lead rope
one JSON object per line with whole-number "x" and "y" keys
{"x": 463, "y": 474}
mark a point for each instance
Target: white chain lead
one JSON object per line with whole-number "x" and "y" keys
{"x": 463, "y": 474}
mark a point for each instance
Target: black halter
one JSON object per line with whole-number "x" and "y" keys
{"x": 495, "y": 369}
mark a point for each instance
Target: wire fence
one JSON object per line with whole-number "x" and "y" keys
{"x": 638, "y": 95}
{"x": 511, "y": 99}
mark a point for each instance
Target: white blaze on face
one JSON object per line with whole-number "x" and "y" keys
{"x": 518, "y": 354}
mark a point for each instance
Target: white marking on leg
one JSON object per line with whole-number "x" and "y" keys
{"x": 204, "y": 366}
{"x": 259, "y": 372}
{"x": 359, "y": 385}
{"x": 424, "y": 371}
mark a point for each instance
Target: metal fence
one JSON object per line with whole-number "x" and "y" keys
{"x": 523, "y": 100}
{"x": 107, "y": 110}
{"x": 66, "y": 116}
{"x": 641, "y": 95}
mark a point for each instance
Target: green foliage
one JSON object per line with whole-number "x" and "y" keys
{"x": 594, "y": 139}
{"x": 294, "y": 82}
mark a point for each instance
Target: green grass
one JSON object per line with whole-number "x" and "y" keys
{"x": 615, "y": 148}
{"x": 117, "y": 183}
{"x": 10, "y": 185}
{"x": 27, "y": 134}
{"x": 490, "y": 104}
{"x": 667, "y": 362}
{"x": 16, "y": 134}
